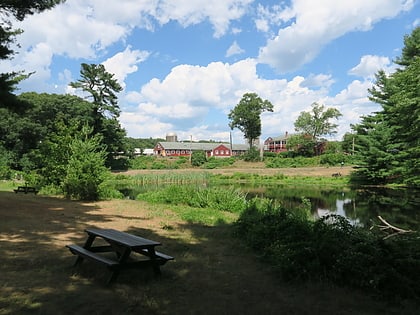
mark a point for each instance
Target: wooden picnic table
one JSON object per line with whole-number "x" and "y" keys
{"x": 123, "y": 245}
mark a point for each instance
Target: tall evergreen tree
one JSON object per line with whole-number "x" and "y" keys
{"x": 389, "y": 140}
{"x": 102, "y": 89}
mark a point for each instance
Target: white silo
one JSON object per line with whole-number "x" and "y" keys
{"x": 171, "y": 137}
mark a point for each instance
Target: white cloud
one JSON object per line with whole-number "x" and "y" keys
{"x": 183, "y": 100}
{"x": 188, "y": 12}
{"x": 316, "y": 23}
{"x": 87, "y": 28}
{"x": 268, "y": 16}
{"x": 124, "y": 63}
{"x": 234, "y": 49}
{"x": 369, "y": 65}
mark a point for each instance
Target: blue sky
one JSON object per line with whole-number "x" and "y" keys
{"x": 185, "y": 64}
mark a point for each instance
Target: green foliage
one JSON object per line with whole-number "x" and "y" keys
{"x": 158, "y": 166}
{"x": 198, "y": 158}
{"x": 317, "y": 123}
{"x": 388, "y": 142}
{"x": 214, "y": 162}
{"x": 253, "y": 155}
{"x": 331, "y": 249}
{"x": 282, "y": 162}
{"x": 301, "y": 145}
{"x": 85, "y": 171}
{"x": 231, "y": 200}
{"x": 246, "y": 116}
{"x": 141, "y": 162}
{"x": 335, "y": 159}
{"x": 102, "y": 87}
{"x": 6, "y": 171}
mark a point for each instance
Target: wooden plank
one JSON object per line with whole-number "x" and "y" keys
{"x": 78, "y": 250}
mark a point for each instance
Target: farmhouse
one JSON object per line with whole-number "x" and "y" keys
{"x": 174, "y": 148}
{"x": 276, "y": 144}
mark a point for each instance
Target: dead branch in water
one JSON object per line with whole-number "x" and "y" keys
{"x": 388, "y": 227}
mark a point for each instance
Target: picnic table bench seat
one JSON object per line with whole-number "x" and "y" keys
{"x": 161, "y": 257}
{"x": 26, "y": 189}
{"x": 79, "y": 250}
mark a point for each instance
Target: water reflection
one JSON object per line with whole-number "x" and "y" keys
{"x": 360, "y": 206}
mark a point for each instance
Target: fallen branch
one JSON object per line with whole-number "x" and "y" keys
{"x": 394, "y": 229}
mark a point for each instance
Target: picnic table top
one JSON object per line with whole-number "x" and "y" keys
{"x": 123, "y": 238}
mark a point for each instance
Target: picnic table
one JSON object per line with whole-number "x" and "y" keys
{"x": 26, "y": 189}
{"x": 124, "y": 245}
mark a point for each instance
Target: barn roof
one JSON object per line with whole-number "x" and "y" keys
{"x": 198, "y": 146}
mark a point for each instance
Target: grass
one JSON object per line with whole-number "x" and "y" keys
{"x": 213, "y": 273}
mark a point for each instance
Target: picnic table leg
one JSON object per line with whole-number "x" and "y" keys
{"x": 122, "y": 258}
{"x": 88, "y": 245}
{"x": 155, "y": 264}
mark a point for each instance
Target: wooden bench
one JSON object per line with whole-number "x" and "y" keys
{"x": 26, "y": 189}
{"x": 80, "y": 251}
{"x": 161, "y": 257}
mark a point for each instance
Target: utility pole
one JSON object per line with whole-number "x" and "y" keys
{"x": 190, "y": 149}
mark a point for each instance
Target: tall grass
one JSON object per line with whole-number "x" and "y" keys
{"x": 230, "y": 199}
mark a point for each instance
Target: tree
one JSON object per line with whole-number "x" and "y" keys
{"x": 102, "y": 88}
{"x": 317, "y": 123}
{"x": 388, "y": 141}
{"x": 85, "y": 171}
{"x": 246, "y": 116}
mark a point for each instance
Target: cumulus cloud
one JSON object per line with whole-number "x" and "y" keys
{"x": 316, "y": 23}
{"x": 369, "y": 65}
{"x": 124, "y": 63}
{"x": 87, "y": 28}
{"x": 268, "y": 16}
{"x": 188, "y": 94}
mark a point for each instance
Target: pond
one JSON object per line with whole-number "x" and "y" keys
{"x": 399, "y": 207}
{"x": 362, "y": 206}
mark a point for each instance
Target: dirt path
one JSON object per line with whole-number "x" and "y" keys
{"x": 258, "y": 169}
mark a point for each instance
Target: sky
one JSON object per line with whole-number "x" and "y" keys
{"x": 185, "y": 64}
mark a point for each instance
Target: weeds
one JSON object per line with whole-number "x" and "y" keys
{"x": 332, "y": 250}
{"x": 231, "y": 200}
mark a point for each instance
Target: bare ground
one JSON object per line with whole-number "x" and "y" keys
{"x": 212, "y": 272}
{"x": 258, "y": 168}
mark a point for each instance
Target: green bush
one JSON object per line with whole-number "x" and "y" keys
{"x": 85, "y": 170}
{"x": 198, "y": 158}
{"x": 281, "y": 162}
{"x": 332, "y": 250}
{"x": 141, "y": 162}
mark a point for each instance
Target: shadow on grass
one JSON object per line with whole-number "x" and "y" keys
{"x": 212, "y": 272}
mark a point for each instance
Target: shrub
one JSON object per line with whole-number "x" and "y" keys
{"x": 331, "y": 249}
{"x": 85, "y": 170}
{"x": 198, "y": 158}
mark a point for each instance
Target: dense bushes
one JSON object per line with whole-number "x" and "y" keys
{"x": 299, "y": 161}
{"x": 331, "y": 249}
